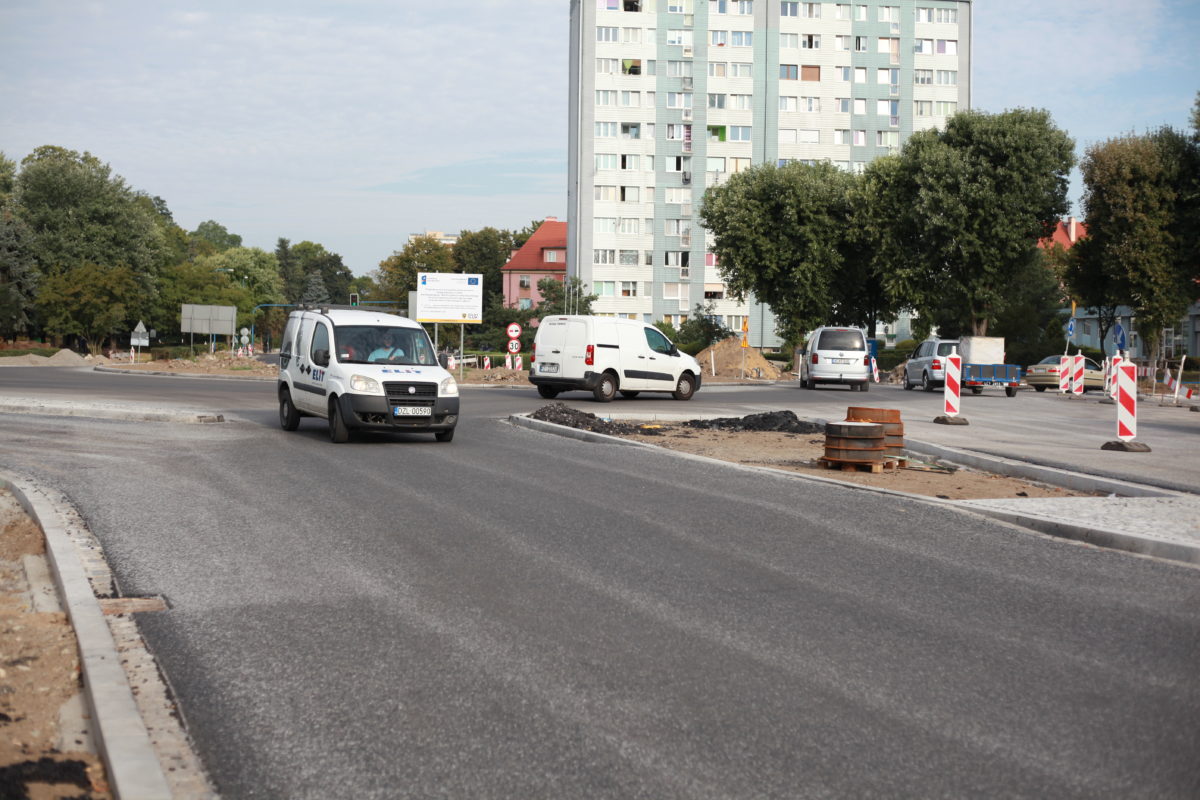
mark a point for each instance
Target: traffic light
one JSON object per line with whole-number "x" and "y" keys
{"x": 354, "y": 298}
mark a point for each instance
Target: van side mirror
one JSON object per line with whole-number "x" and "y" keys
{"x": 674, "y": 349}
{"x": 321, "y": 358}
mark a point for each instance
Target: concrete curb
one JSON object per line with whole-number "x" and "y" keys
{"x": 133, "y": 768}
{"x": 1100, "y": 537}
{"x": 130, "y": 412}
{"x": 190, "y": 375}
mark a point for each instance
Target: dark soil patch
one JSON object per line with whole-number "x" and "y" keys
{"x": 777, "y": 421}
{"x": 562, "y": 414}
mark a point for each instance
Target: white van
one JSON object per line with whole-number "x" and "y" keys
{"x": 835, "y": 355}
{"x": 606, "y": 355}
{"x": 363, "y": 369}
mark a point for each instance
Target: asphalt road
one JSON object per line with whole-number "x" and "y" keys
{"x": 516, "y": 614}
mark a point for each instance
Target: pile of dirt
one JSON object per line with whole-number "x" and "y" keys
{"x": 67, "y": 358}
{"x": 777, "y": 421}
{"x": 27, "y": 359}
{"x": 732, "y": 361}
{"x": 562, "y": 414}
{"x": 494, "y": 375}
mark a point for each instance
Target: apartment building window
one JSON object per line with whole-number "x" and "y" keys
{"x": 605, "y": 161}
{"x": 887, "y": 45}
{"x": 715, "y": 164}
{"x": 944, "y": 108}
{"x": 860, "y": 105}
{"x": 887, "y": 138}
{"x": 841, "y": 43}
{"x": 680, "y": 37}
{"x": 629, "y": 226}
{"x": 604, "y": 225}
{"x": 810, "y": 41}
{"x": 844, "y": 166}
{"x": 607, "y": 66}
{"x": 714, "y": 292}
{"x": 604, "y": 256}
{"x": 923, "y": 77}
{"x": 741, "y": 69}
{"x": 739, "y": 133}
{"x": 628, "y": 288}
{"x": 631, "y": 194}
{"x": 604, "y": 194}
{"x": 744, "y": 7}
{"x": 716, "y": 100}
{"x": 860, "y": 13}
{"x": 810, "y": 10}
{"x": 843, "y": 105}
{"x": 742, "y": 39}
{"x": 861, "y": 43}
{"x": 717, "y": 133}
{"x": 677, "y": 194}
{"x": 841, "y": 11}
{"x": 789, "y": 72}
{"x": 860, "y": 138}
{"x": 947, "y": 47}
{"x": 789, "y": 9}
{"x": 679, "y": 99}
{"x": 605, "y": 33}
{"x": 677, "y": 163}
{"x": 677, "y": 132}
{"x": 717, "y": 69}
{"x": 810, "y": 105}
{"x": 841, "y": 136}
{"x": 631, "y": 35}
{"x": 670, "y": 291}
{"x": 718, "y": 6}
{"x": 845, "y": 73}
{"x": 676, "y": 227}
{"x": 923, "y": 108}
{"x": 604, "y": 288}
{"x": 633, "y": 99}
{"x": 606, "y": 130}
{"x": 679, "y": 69}
{"x": 787, "y": 103}
{"x": 648, "y": 258}
{"x": 889, "y": 14}
{"x": 947, "y": 15}
{"x": 789, "y": 41}
{"x": 947, "y": 77}
{"x": 631, "y": 130}
{"x": 787, "y": 135}
{"x": 742, "y": 102}
{"x": 924, "y": 15}
{"x": 718, "y": 38}
{"x": 810, "y": 72}
{"x": 739, "y": 164}
{"x": 923, "y": 47}
{"x": 679, "y": 6}
{"x": 631, "y": 66}
{"x": 860, "y": 74}
{"x": 628, "y": 258}
{"x": 808, "y": 136}
{"x": 887, "y": 108}
{"x": 676, "y": 258}
{"x": 887, "y": 76}
{"x": 606, "y": 97}
{"x": 631, "y": 162}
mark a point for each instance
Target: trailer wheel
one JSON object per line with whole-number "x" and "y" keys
{"x": 976, "y": 390}
{"x": 1010, "y": 391}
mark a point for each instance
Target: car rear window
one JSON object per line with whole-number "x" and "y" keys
{"x": 946, "y": 348}
{"x": 841, "y": 340}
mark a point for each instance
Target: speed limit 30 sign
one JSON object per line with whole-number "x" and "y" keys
{"x": 514, "y": 346}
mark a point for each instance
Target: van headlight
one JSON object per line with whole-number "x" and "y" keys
{"x": 365, "y": 385}
{"x": 449, "y": 388}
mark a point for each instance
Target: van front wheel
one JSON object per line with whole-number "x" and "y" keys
{"x": 606, "y": 388}
{"x": 685, "y": 388}
{"x": 338, "y": 432}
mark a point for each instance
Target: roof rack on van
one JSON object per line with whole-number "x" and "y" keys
{"x": 325, "y": 308}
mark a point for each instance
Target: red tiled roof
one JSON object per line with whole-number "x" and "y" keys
{"x": 550, "y": 235}
{"x": 1063, "y": 233}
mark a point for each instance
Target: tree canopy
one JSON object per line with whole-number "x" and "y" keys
{"x": 398, "y": 272}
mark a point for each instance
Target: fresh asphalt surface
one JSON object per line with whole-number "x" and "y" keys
{"x": 516, "y": 614}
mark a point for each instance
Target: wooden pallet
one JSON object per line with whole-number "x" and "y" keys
{"x": 875, "y": 467}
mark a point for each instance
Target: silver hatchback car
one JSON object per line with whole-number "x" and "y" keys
{"x": 927, "y": 364}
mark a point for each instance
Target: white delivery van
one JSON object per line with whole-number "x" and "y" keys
{"x": 606, "y": 355}
{"x": 835, "y": 355}
{"x": 363, "y": 370}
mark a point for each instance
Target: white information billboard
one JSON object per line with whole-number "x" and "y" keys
{"x": 449, "y": 297}
{"x": 208, "y": 319}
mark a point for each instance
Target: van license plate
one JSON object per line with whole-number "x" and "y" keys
{"x": 842, "y": 360}
{"x": 411, "y": 411}
{"x": 549, "y": 367}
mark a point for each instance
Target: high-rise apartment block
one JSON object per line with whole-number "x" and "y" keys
{"x": 670, "y": 97}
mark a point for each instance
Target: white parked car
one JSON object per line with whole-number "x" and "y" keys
{"x": 363, "y": 370}
{"x": 606, "y": 355}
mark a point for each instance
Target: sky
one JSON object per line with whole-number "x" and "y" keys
{"x": 354, "y": 123}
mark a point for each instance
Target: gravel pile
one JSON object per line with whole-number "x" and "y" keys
{"x": 779, "y": 421}
{"x": 561, "y": 414}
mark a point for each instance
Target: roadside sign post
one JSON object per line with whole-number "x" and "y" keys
{"x": 511, "y": 358}
{"x": 138, "y": 339}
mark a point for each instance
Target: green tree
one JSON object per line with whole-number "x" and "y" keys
{"x": 8, "y": 175}
{"x": 315, "y": 293}
{"x": 702, "y": 329}
{"x": 92, "y": 301}
{"x": 564, "y": 297}
{"x": 780, "y": 234}
{"x": 217, "y": 235}
{"x": 18, "y": 278}
{"x": 195, "y": 283}
{"x": 484, "y": 252}
{"x": 311, "y": 257}
{"x": 294, "y": 280}
{"x": 1032, "y": 309}
{"x": 1090, "y": 281}
{"x": 398, "y": 272}
{"x": 78, "y": 212}
{"x": 965, "y": 206}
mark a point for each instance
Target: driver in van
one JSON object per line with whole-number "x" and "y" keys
{"x": 388, "y": 350}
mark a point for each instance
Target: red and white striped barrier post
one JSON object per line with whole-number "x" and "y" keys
{"x": 508, "y": 361}
{"x": 874, "y": 369}
{"x": 1077, "y": 367}
{"x": 1111, "y": 386}
{"x": 487, "y": 362}
{"x": 952, "y": 392}
{"x": 1064, "y": 373}
{"x": 1126, "y": 413}
{"x": 1176, "y": 385}
{"x": 520, "y": 364}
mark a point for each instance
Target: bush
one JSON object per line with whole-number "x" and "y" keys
{"x": 25, "y": 351}
{"x": 168, "y": 353}
{"x": 887, "y": 360}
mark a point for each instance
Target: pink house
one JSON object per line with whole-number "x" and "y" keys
{"x": 544, "y": 255}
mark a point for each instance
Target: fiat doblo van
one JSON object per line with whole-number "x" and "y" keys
{"x": 363, "y": 370}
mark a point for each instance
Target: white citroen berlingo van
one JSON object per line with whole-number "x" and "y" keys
{"x": 606, "y": 355}
{"x": 363, "y": 369}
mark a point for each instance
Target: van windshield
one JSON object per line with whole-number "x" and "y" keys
{"x": 841, "y": 340}
{"x": 383, "y": 344}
